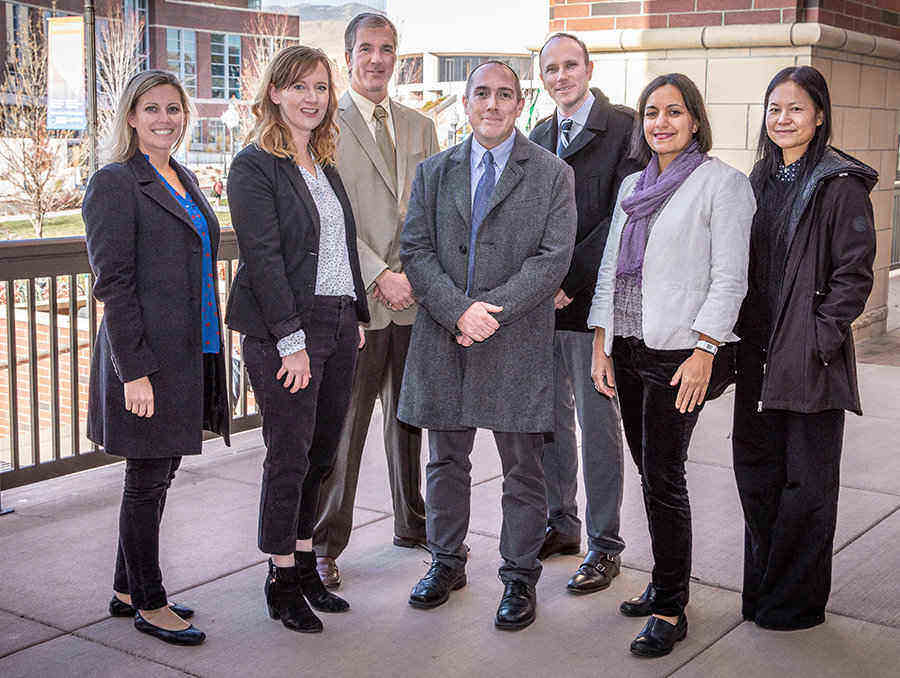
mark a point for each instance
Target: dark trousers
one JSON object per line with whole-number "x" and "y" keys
{"x": 137, "y": 558}
{"x": 524, "y": 502}
{"x": 658, "y": 436}
{"x": 301, "y": 429}
{"x": 379, "y": 374}
{"x": 601, "y": 448}
{"x": 787, "y": 467}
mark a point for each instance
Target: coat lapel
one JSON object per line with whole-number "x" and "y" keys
{"x": 352, "y": 120}
{"x": 512, "y": 173}
{"x": 293, "y": 173}
{"x": 546, "y": 138}
{"x": 596, "y": 123}
{"x": 153, "y": 188}
{"x": 212, "y": 222}
{"x": 459, "y": 181}
{"x": 585, "y": 136}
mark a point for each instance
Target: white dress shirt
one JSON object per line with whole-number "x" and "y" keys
{"x": 367, "y": 110}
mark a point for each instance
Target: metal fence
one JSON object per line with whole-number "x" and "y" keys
{"x": 49, "y": 324}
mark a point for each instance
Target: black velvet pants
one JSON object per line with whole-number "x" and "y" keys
{"x": 658, "y": 436}
{"x": 787, "y": 467}
{"x": 301, "y": 430}
{"x": 137, "y": 559}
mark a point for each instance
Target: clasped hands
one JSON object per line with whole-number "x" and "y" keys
{"x": 393, "y": 290}
{"x": 477, "y": 323}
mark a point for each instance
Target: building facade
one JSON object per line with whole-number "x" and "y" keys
{"x": 732, "y": 48}
{"x": 207, "y": 44}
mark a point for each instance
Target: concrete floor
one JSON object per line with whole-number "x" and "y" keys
{"x": 57, "y": 549}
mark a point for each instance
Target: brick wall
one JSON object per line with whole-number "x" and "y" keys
{"x": 875, "y": 17}
{"x": 577, "y": 15}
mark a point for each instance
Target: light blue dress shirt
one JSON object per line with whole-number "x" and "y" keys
{"x": 578, "y": 118}
{"x": 501, "y": 154}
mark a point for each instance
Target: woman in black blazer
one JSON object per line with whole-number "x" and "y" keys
{"x": 157, "y": 374}
{"x": 297, "y": 298}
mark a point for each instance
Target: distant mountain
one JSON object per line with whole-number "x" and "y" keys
{"x": 328, "y": 10}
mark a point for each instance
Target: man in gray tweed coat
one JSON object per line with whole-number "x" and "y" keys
{"x": 488, "y": 238}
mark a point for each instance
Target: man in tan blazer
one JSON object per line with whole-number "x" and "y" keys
{"x": 380, "y": 144}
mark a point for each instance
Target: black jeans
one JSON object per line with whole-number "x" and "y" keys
{"x": 787, "y": 467}
{"x": 137, "y": 559}
{"x": 658, "y": 436}
{"x": 301, "y": 430}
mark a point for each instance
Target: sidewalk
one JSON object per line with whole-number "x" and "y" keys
{"x": 57, "y": 550}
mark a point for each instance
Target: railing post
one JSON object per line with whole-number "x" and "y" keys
{"x": 3, "y": 511}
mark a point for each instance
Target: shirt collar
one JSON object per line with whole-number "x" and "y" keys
{"x": 580, "y": 116}
{"x": 367, "y": 106}
{"x": 501, "y": 152}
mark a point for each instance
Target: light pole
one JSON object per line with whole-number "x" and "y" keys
{"x": 91, "y": 54}
{"x": 230, "y": 118}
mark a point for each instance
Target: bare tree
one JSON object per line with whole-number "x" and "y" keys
{"x": 32, "y": 157}
{"x": 269, "y": 33}
{"x": 117, "y": 60}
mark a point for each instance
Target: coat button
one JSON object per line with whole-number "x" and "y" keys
{"x": 463, "y": 249}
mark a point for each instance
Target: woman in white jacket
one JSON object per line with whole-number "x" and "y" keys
{"x": 668, "y": 293}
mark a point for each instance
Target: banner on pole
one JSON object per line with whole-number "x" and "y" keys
{"x": 65, "y": 74}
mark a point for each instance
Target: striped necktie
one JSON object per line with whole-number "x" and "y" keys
{"x": 565, "y": 128}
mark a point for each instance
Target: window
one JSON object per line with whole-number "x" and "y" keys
{"x": 16, "y": 32}
{"x": 457, "y": 68}
{"x": 410, "y": 71}
{"x": 208, "y": 136}
{"x": 254, "y": 4}
{"x": 181, "y": 57}
{"x": 225, "y": 65}
{"x": 140, "y": 8}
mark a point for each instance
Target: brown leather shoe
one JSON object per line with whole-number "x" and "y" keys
{"x": 328, "y": 572}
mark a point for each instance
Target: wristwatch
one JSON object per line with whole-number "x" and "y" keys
{"x": 707, "y": 346}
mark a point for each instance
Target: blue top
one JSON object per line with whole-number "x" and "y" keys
{"x": 208, "y": 315}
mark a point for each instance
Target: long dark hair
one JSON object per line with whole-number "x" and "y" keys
{"x": 768, "y": 153}
{"x": 693, "y": 102}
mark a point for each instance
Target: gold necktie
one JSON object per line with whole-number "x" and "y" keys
{"x": 384, "y": 143}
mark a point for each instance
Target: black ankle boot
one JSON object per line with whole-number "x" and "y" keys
{"x": 285, "y": 602}
{"x": 312, "y": 587}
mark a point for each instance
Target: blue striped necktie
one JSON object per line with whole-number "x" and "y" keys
{"x": 483, "y": 193}
{"x": 565, "y": 127}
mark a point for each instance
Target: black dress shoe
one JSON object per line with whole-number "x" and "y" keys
{"x": 284, "y": 600}
{"x": 118, "y": 608}
{"x": 595, "y": 574}
{"x": 189, "y": 636}
{"x": 556, "y": 542}
{"x": 312, "y": 587}
{"x": 658, "y": 637}
{"x": 517, "y": 606}
{"x": 409, "y": 542}
{"x": 640, "y": 606}
{"x": 434, "y": 588}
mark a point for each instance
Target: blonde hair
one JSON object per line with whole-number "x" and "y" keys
{"x": 122, "y": 142}
{"x": 270, "y": 132}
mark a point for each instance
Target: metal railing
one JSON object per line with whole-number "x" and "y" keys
{"x": 47, "y": 339}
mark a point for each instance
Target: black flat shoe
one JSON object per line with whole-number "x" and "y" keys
{"x": 434, "y": 588}
{"x": 313, "y": 589}
{"x": 595, "y": 574}
{"x": 118, "y": 608}
{"x": 189, "y": 636}
{"x": 557, "y": 543}
{"x": 640, "y": 606}
{"x": 517, "y": 607}
{"x": 658, "y": 637}
{"x": 284, "y": 600}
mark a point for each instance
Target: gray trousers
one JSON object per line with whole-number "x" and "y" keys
{"x": 601, "y": 448}
{"x": 379, "y": 373}
{"x": 524, "y": 503}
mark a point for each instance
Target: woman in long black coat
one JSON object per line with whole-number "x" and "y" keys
{"x": 158, "y": 373}
{"x": 811, "y": 252}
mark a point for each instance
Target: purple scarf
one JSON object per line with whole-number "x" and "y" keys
{"x": 650, "y": 192}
